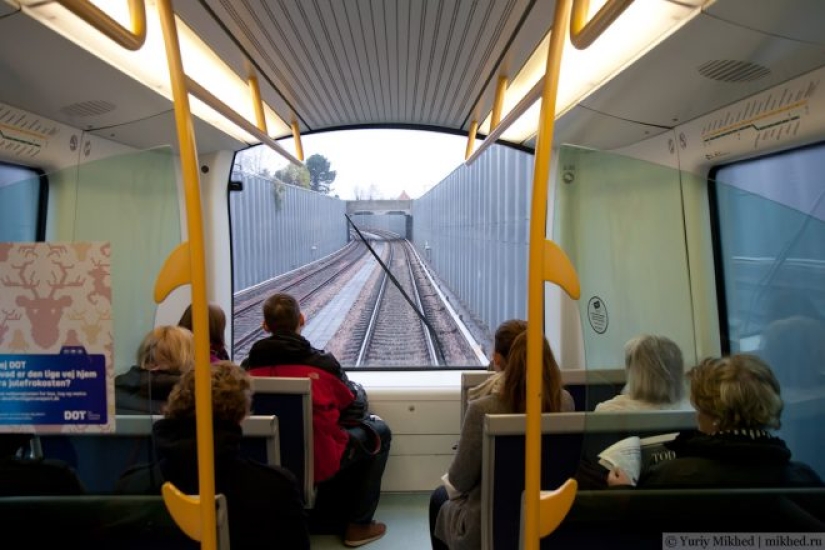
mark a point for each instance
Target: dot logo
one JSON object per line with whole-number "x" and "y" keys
{"x": 74, "y": 415}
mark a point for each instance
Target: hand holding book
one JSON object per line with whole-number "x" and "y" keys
{"x": 624, "y": 460}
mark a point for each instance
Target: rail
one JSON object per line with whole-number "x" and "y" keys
{"x": 130, "y": 39}
{"x": 544, "y": 512}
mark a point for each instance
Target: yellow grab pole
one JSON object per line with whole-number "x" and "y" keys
{"x": 471, "y": 139}
{"x": 296, "y": 135}
{"x": 498, "y": 102}
{"x": 535, "y": 281}
{"x": 200, "y": 324}
{"x": 257, "y": 103}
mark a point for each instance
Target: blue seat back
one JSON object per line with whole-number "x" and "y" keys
{"x": 291, "y": 400}
{"x": 566, "y": 439}
{"x": 101, "y": 458}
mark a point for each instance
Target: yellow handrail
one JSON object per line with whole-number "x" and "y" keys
{"x": 257, "y": 103}
{"x": 498, "y": 102}
{"x": 296, "y": 137}
{"x": 207, "y": 97}
{"x": 94, "y": 16}
{"x": 558, "y": 503}
{"x": 184, "y": 512}
{"x": 471, "y": 139}
{"x": 583, "y": 32}
{"x": 548, "y": 262}
{"x": 514, "y": 114}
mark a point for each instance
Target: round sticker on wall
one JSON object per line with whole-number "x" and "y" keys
{"x": 597, "y": 314}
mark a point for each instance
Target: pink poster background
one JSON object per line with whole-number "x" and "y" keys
{"x": 54, "y": 295}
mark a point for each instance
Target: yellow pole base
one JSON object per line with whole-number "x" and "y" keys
{"x": 185, "y": 510}
{"x": 554, "y": 505}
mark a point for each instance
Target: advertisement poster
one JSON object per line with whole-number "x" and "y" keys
{"x": 56, "y": 369}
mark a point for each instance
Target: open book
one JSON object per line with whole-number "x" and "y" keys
{"x": 633, "y": 454}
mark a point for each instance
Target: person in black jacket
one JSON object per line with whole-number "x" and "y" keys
{"x": 265, "y": 506}
{"x": 164, "y": 354}
{"x": 347, "y": 501}
{"x": 23, "y": 476}
{"x": 737, "y": 401}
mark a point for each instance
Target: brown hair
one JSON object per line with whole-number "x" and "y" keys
{"x": 231, "y": 394}
{"x": 738, "y": 392}
{"x": 167, "y": 348}
{"x": 505, "y": 334}
{"x": 281, "y": 312}
{"x": 217, "y": 323}
{"x": 514, "y": 389}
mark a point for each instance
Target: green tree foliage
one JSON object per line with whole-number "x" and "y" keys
{"x": 294, "y": 175}
{"x": 320, "y": 176}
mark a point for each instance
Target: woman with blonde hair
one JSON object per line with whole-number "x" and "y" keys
{"x": 738, "y": 402}
{"x": 455, "y": 508}
{"x": 655, "y": 377}
{"x": 165, "y": 353}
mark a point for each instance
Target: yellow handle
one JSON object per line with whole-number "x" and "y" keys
{"x": 94, "y": 16}
{"x": 185, "y": 510}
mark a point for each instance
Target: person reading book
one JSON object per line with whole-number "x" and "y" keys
{"x": 737, "y": 401}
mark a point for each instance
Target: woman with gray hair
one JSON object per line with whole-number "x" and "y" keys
{"x": 655, "y": 377}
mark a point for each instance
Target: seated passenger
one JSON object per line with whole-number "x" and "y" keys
{"x": 22, "y": 476}
{"x": 503, "y": 340}
{"x": 655, "y": 377}
{"x": 164, "y": 354}
{"x": 264, "y": 502}
{"x": 217, "y": 329}
{"x": 455, "y": 512}
{"x": 737, "y": 401}
{"x": 351, "y": 446}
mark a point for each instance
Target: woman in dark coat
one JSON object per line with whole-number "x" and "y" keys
{"x": 737, "y": 401}
{"x": 164, "y": 354}
{"x": 265, "y": 505}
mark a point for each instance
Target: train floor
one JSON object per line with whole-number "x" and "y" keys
{"x": 407, "y": 524}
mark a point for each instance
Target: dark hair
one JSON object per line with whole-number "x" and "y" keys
{"x": 281, "y": 312}
{"x": 506, "y": 333}
{"x": 514, "y": 389}
{"x": 217, "y": 323}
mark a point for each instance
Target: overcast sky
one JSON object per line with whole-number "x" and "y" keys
{"x": 392, "y": 160}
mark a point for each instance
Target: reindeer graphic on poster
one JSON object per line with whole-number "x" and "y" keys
{"x": 56, "y": 365}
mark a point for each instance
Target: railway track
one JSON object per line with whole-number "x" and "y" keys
{"x": 399, "y": 319}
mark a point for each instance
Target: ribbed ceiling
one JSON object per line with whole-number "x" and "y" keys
{"x": 361, "y": 62}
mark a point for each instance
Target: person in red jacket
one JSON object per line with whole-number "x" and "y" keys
{"x": 349, "y": 455}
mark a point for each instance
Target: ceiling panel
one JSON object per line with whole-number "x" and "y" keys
{"x": 45, "y": 83}
{"x": 369, "y": 62}
{"x": 665, "y": 86}
{"x": 797, "y": 19}
{"x": 586, "y": 128}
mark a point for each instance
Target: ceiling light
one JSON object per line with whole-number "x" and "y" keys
{"x": 638, "y": 29}
{"x": 147, "y": 65}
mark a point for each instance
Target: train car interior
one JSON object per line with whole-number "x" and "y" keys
{"x": 683, "y": 183}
